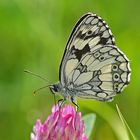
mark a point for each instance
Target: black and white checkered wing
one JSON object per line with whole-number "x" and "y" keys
{"x": 92, "y": 65}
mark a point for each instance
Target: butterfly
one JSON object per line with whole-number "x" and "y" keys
{"x": 92, "y": 67}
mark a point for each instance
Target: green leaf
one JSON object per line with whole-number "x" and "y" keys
{"x": 108, "y": 114}
{"x": 89, "y": 121}
{"x": 129, "y": 131}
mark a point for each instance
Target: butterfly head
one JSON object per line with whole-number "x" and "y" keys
{"x": 54, "y": 88}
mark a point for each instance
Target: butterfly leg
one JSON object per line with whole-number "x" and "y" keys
{"x": 74, "y": 102}
{"x": 60, "y": 103}
{"x": 77, "y": 107}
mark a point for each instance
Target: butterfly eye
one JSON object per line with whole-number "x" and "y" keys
{"x": 116, "y": 76}
{"x": 54, "y": 88}
{"x": 115, "y": 67}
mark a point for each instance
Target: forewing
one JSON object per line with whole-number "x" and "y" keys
{"x": 101, "y": 74}
{"x": 90, "y": 33}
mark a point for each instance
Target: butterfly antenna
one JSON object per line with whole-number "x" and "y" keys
{"x": 40, "y": 89}
{"x": 27, "y": 71}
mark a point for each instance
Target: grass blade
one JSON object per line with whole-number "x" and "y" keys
{"x": 129, "y": 131}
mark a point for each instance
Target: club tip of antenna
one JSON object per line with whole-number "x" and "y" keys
{"x": 25, "y": 70}
{"x": 34, "y": 93}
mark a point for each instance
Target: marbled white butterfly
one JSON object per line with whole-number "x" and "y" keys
{"x": 92, "y": 66}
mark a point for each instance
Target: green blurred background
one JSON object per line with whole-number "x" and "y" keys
{"x": 33, "y": 35}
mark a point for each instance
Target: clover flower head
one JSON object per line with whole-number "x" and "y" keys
{"x": 60, "y": 125}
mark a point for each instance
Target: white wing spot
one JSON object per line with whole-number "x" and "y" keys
{"x": 114, "y": 52}
{"x": 85, "y": 86}
{"x": 88, "y": 20}
{"x": 113, "y": 39}
{"x": 105, "y": 49}
{"x": 102, "y": 95}
{"x": 104, "y": 22}
{"x": 105, "y": 77}
{"x": 70, "y": 65}
{"x": 120, "y": 58}
{"x": 90, "y": 61}
{"x": 105, "y": 34}
{"x": 96, "y": 47}
{"x": 110, "y": 32}
{"x": 90, "y": 92}
{"x": 99, "y": 18}
{"x": 123, "y": 66}
{"x": 107, "y": 86}
{"x": 94, "y": 41}
{"x": 124, "y": 77}
{"x": 76, "y": 74}
{"x": 94, "y": 28}
{"x": 84, "y": 30}
{"x": 103, "y": 28}
{"x": 106, "y": 69}
{"x": 128, "y": 77}
{"x": 109, "y": 41}
{"x": 94, "y": 21}
{"x": 78, "y": 44}
{"x": 100, "y": 24}
{"x": 83, "y": 78}
{"x": 128, "y": 66}
{"x": 84, "y": 61}
{"x": 107, "y": 26}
